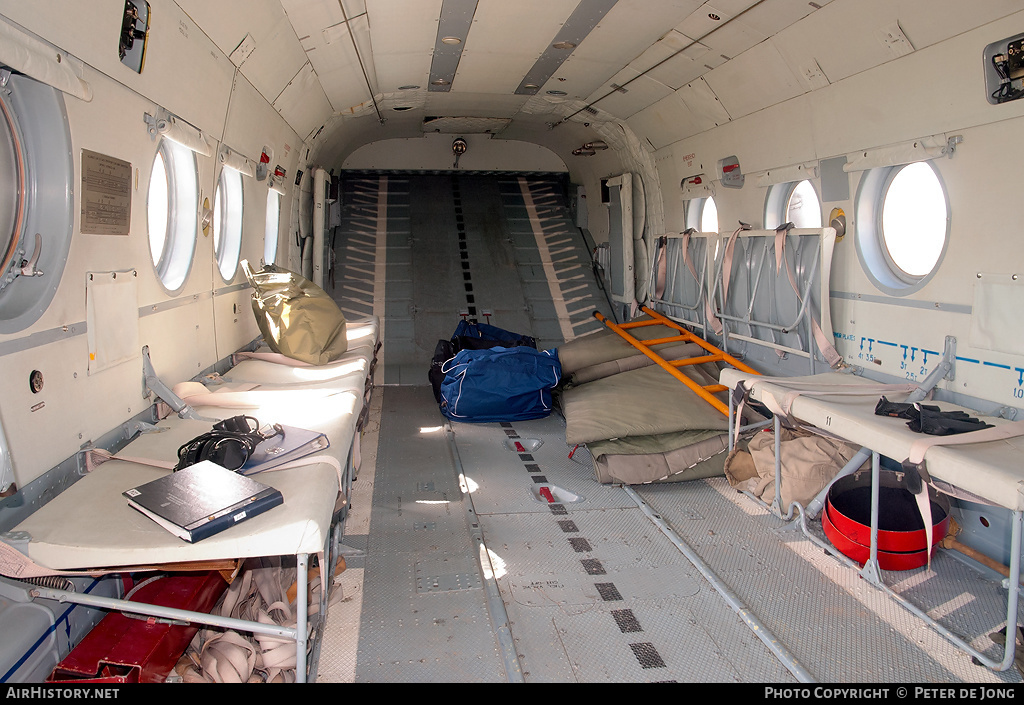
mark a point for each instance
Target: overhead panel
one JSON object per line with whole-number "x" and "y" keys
{"x": 578, "y": 27}
{"x": 629, "y": 29}
{"x": 701, "y": 101}
{"x": 853, "y": 27}
{"x": 274, "y": 60}
{"x": 349, "y": 78}
{"x": 303, "y": 104}
{"x": 756, "y": 79}
{"x": 506, "y": 40}
{"x": 721, "y": 26}
{"x": 624, "y": 100}
{"x": 402, "y": 35}
{"x": 466, "y": 125}
{"x": 768, "y": 18}
{"x": 468, "y": 104}
{"x": 326, "y": 39}
{"x": 452, "y": 31}
{"x": 665, "y": 122}
{"x": 229, "y": 22}
{"x": 674, "y": 60}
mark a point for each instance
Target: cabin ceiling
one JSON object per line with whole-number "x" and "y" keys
{"x": 668, "y": 68}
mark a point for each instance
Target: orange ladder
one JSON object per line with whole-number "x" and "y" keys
{"x": 705, "y": 392}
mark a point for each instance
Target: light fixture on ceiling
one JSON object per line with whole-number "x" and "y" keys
{"x": 713, "y": 16}
{"x": 409, "y": 88}
{"x": 563, "y": 45}
{"x": 451, "y": 40}
{"x": 459, "y": 147}
{"x": 439, "y": 82}
{"x": 531, "y": 87}
{"x": 557, "y": 93}
{"x": 590, "y": 148}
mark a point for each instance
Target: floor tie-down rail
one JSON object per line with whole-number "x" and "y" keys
{"x": 705, "y": 392}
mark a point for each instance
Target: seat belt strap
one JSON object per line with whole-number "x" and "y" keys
{"x": 828, "y": 351}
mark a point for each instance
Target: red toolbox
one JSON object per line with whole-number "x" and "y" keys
{"x": 139, "y": 649}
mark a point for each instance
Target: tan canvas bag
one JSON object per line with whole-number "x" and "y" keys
{"x": 297, "y": 318}
{"x": 809, "y": 462}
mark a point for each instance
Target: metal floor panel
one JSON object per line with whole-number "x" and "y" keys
{"x": 593, "y": 591}
{"x": 418, "y": 606}
{"x": 511, "y": 478}
{"x": 839, "y": 626}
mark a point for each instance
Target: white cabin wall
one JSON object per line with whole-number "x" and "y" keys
{"x": 937, "y": 90}
{"x": 434, "y": 152}
{"x": 181, "y": 61}
{"x": 250, "y": 125}
{"x": 188, "y": 330}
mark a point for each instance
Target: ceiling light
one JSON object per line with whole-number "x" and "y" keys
{"x": 451, "y": 40}
{"x": 408, "y": 88}
{"x": 563, "y": 45}
{"x": 439, "y": 82}
{"x": 531, "y": 87}
{"x": 557, "y": 93}
{"x": 713, "y": 16}
{"x": 402, "y": 107}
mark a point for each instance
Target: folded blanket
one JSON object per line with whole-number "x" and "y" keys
{"x": 643, "y": 402}
{"x": 673, "y": 351}
{"x": 606, "y": 345}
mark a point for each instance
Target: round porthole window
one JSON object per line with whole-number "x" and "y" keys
{"x": 795, "y": 202}
{"x": 227, "y": 222}
{"x": 273, "y": 225}
{"x": 914, "y": 219}
{"x": 36, "y": 199}
{"x": 902, "y": 226}
{"x": 173, "y": 213}
{"x": 702, "y": 215}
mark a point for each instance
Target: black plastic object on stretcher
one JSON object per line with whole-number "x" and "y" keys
{"x": 229, "y": 444}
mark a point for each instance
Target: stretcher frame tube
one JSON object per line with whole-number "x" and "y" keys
{"x": 704, "y": 393}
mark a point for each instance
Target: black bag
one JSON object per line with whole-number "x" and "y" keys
{"x": 470, "y": 335}
{"x": 443, "y": 352}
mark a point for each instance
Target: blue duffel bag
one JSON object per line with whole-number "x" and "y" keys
{"x": 499, "y": 384}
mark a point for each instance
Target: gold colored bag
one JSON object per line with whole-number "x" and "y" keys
{"x": 297, "y": 318}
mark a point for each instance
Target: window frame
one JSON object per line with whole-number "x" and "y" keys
{"x": 694, "y": 214}
{"x": 180, "y": 234}
{"x": 777, "y": 202}
{"x": 270, "y": 240}
{"x": 227, "y": 222}
{"x": 872, "y": 248}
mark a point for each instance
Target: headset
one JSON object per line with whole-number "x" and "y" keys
{"x": 229, "y": 444}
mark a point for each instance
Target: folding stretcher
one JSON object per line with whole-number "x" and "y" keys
{"x": 982, "y": 466}
{"x": 638, "y": 425}
{"x": 89, "y": 528}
